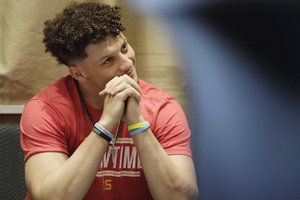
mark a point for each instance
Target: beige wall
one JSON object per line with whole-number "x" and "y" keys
{"x": 25, "y": 68}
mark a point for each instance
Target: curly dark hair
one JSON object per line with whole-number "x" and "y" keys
{"x": 78, "y": 25}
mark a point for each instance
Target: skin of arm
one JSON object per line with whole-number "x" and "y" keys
{"x": 55, "y": 176}
{"x": 168, "y": 177}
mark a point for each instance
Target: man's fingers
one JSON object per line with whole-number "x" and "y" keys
{"x": 114, "y": 85}
{"x": 132, "y": 82}
{"x": 129, "y": 92}
{"x": 102, "y": 92}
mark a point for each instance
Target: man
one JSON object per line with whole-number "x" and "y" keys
{"x": 101, "y": 133}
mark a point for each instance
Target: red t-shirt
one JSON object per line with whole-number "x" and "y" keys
{"x": 54, "y": 121}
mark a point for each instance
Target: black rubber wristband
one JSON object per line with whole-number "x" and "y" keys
{"x": 98, "y": 132}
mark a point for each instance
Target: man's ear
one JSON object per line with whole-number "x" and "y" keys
{"x": 76, "y": 73}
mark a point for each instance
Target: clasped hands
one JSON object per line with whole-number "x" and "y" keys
{"x": 122, "y": 96}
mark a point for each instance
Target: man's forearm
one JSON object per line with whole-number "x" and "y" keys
{"x": 164, "y": 179}
{"x": 72, "y": 177}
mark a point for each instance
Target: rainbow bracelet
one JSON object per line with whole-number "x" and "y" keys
{"x": 138, "y": 127}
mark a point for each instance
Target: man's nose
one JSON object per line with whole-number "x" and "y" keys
{"x": 126, "y": 63}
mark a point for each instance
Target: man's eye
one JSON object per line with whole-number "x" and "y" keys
{"x": 124, "y": 47}
{"x": 108, "y": 60}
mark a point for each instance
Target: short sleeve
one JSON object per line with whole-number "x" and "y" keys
{"x": 42, "y": 129}
{"x": 172, "y": 130}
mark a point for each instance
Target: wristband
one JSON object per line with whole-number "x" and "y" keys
{"x": 141, "y": 127}
{"x": 136, "y": 126}
{"x": 103, "y": 130}
{"x": 100, "y": 130}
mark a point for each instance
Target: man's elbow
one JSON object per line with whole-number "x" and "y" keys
{"x": 188, "y": 190}
{"x": 37, "y": 193}
{"x": 191, "y": 192}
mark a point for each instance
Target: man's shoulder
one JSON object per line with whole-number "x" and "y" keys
{"x": 151, "y": 91}
{"x": 56, "y": 93}
{"x": 55, "y": 88}
{"x": 154, "y": 98}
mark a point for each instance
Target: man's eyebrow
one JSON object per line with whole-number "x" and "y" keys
{"x": 124, "y": 42}
{"x": 104, "y": 57}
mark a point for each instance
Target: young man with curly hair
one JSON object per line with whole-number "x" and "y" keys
{"x": 100, "y": 132}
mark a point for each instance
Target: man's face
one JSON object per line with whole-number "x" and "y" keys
{"x": 107, "y": 59}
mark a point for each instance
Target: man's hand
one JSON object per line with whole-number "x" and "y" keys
{"x": 117, "y": 91}
{"x": 132, "y": 112}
